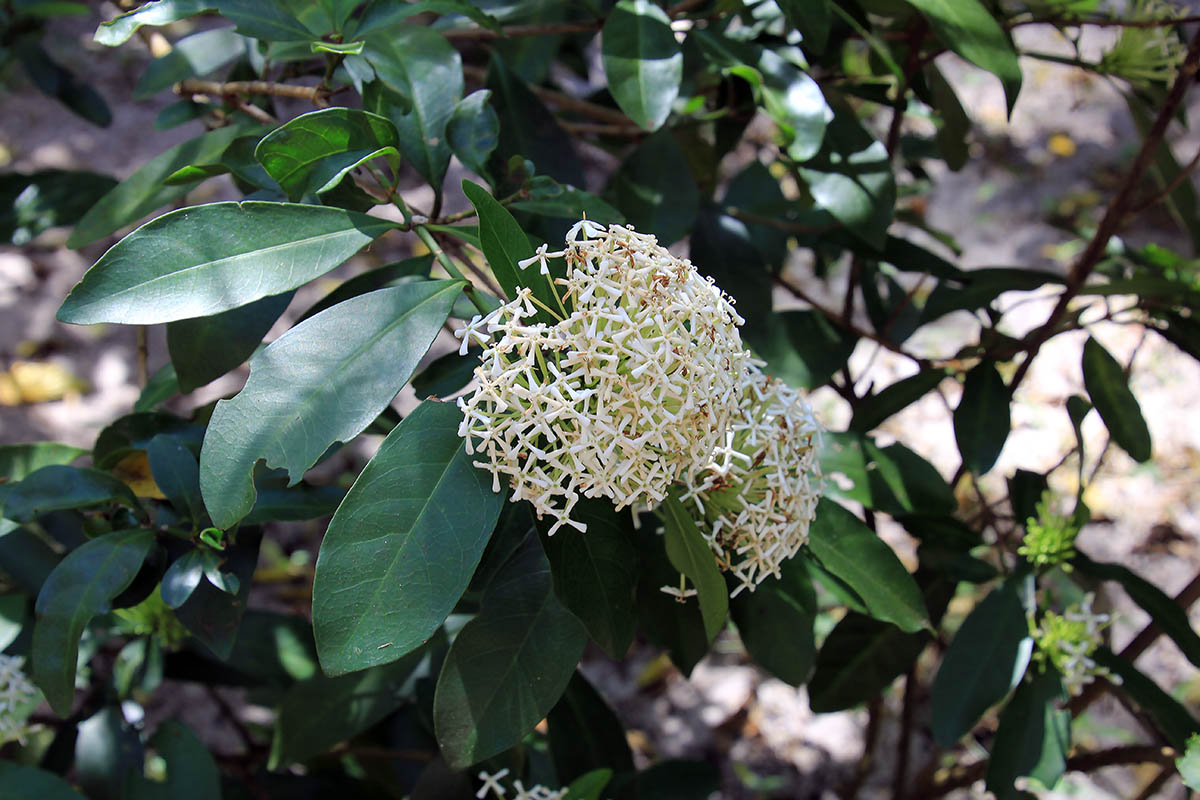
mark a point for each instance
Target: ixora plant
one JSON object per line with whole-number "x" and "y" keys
{"x": 628, "y": 452}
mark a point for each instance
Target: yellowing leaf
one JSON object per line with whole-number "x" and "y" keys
{"x": 1061, "y": 145}
{"x": 38, "y": 382}
{"x": 134, "y": 471}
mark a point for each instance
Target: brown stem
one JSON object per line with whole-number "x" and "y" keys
{"x": 849, "y": 790}
{"x": 561, "y": 100}
{"x": 900, "y": 779}
{"x": 1170, "y": 187}
{"x": 143, "y": 356}
{"x": 314, "y": 94}
{"x": 1151, "y": 789}
{"x": 915, "y": 35}
{"x": 961, "y": 777}
{"x": 1118, "y": 208}
{"x": 513, "y": 31}
{"x": 1060, "y": 22}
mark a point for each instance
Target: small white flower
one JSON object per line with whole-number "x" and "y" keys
{"x": 17, "y": 695}
{"x": 491, "y": 783}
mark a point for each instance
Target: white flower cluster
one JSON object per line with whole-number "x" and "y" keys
{"x": 17, "y": 693}
{"x": 757, "y": 496}
{"x": 619, "y": 397}
{"x": 492, "y": 787}
{"x": 1068, "y": 642}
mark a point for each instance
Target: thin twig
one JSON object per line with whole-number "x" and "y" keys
{"x": 254, "y": 112}
{"x": 1170, "y": 187}
{"x": 1157, "y": 782}
{"x": 787, "y": 226}
{"x": 1117, "y": 211}
{"x": 1063, "y": 22}
{"x": 961, "y": 777}
{"x": 143, "y": 356}
{"x": 313, "y": 94}
{"x": 900, "y": 779}
{"x": 515, "y": 31}
{"x": 561, "y": 100}
{"x": 601, "y": 129}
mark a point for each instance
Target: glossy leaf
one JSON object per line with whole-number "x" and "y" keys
{"x": 983, "y": 417}
{"x": 802, "y": 348}
{"x": 585, "y": 734}
{"x": 655, "y": 189}
{"x": 858, "y": 660}
{"x": 509, "y": 665}
{"x": 25, "y": 558}
{"x": 985, "y": 661}
{"x": 795, "y": 102}
{"x": 205, "y": 348}
{"x": 276, "y": 20}
{"x": 775, "y": 622}
{"x": 968, "y": 28}
{"x": 1032, "y": 739}
{"x": 549, "y": 198}
{"x": 421, "y": 65}
{"x": 527, "y": 128}
{"x": 79, "y": 588}
{"x": 595, "y": 574}
{"x": 689, "y": 554}
{"x": 159, "y": 12}
{"x": 294, "y": 406}
{"x": 393, "y": 274}
{"x": 214, "y": 616}
{"x": 642, "y": 61}
{"x": 813, "y": 18}
{"x": 198, "y": 54}
{"x": 1108, "y": 387}
{"x": 854, "y": 553}
{"x": 177, "y": 474}
{"x": 723, "y": 250}
{"x": 892, "y": 479}
{"x": 896, "y": 397}
{"x": 57, "y": 487}
{"x": 473, "y": 131}
{"x": 504, "y": 245}
{"x": 401, "y": 549}
{"x": 319, "y": 712}
{"x": 204, "y": 260}
{"x": 182, "y": 577}
{"x": 313, "y": 152}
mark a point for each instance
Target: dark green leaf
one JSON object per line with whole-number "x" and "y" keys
{"x": 675, "y": 626}
{"x": 182, "y": 578}
{"x": 642, "y": 61}
{"x": 509, "y": 665}
{"x": 589, "y": 785}
{"x": 802, "y": 348}
{"x": 851, "y": 178}
{"x": 60, "y": 83}
{"x": 1032, "y": 739}
{"x": 205, "y": 348}
{"x": 313, "y": 152}
{"x": 214, "y": 616}
{"x": 1025, "y": 490}
{"x": 191, "y": 772}
{"x": 551, "y": 199}
{"x": 159, "y": 12}
{"x": 20, "y": 782}
{"x": 319, "y": 712}
{"x": 408, "y": 270}
{"x": 199, "y": 261}
{"x": 25, "y": 558}
{"x": 1108, "y": 387}
{"x": 984, "y": 662}
{"x": 12, "y": 618}
{"x": 1172, "y": 719}
{"x": 276, "y": 20}
{"x": 892, "y": 479}
{"x": 756, "y": 191}
{"x": 896, "y": 397}
{"x": 858, "y": 660}
{"x": 417, "y": 62}
{"x": 1166, "y": 613}
{"x": 18, "y": 461}
{"x": 954, "y": 124}
{"x": 134, "y": 431}
{"x": 968, "y": 28}
{"x": 446, "y": 374}
{"x": 198, "y": 54}
{"x": 277, "y": 502}
{"x": 384, "y": 14}
{"x": 160, "y": 387}
{"x": 722, "y": 249}
{"x": 79, "y": 588}
{"x": 56, "y": 487}
{"x": 505, "y": 244}
{"x": 813, "y": 18}
{"x": 30, "y": 204}
{"x": 108, "y": 755}
{"x": 775, "y": 621}
{"x": 177, "y": 474}
{"x": 289, "y": 412}
{"x": 473, "y": 131}
{"x": 595, "y": 574}
{"x": 528, "y": 129}
{"x": 690, "y": 554}
{"x": 655, "y": 189}
{"x": 585, "y": 734}
{"x": 942, "y": 531}
{"x": 403, "y": 545}
{"x": 982, "y": 419}
{"x": 852, "y": 552}
{"x": 978, "y": 288}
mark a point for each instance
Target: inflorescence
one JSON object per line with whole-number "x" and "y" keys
{"x": 17, "y": 695}
{"x": 1069, "y": 640}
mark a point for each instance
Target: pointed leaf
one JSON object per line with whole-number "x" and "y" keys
{"x": 986, "y": 659}
{"x": 79, "y": 588}
{"x": 18, "y": 782}
{"x": 17, "y": 461}
{"x": 159, "y": 12}
{"x": 983, "y": 417}
{"x": 508, "y": 666}
{"x": 655, "y": 189}
{"x": 969, "y": 29}
{"x": 527, "y": 128}
{"x": 402, "y": 547}
{"x": 642, "y": 61}
{"x": 214, "y": 616}
{"x": 473, "y": 131}
{"x": 199, "y": 261}
{"x": 852, "y": 552}
{"x": 690, "y": 554}
{"x": 1108, "y": 387}
{"x": 585, "y": 734}
{"x": 205, "y": 348}
{"x": 858, "y": 660}
{"x": 896, "y": 397}
{"x": 177, "y": 474}
{"x": 1032, "y": 739}
{"x": 322, "y": 382}
{"x": 420, "y": 64}
{"x": 182, "y": 578}
{"x": 1175, "y": 722}
{"x": 198, "y": 54}
{"x": 313, "y": 152}
{"x": 56, "y": 487}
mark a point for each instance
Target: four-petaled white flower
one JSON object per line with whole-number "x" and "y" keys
{"x": 618, "y": 397}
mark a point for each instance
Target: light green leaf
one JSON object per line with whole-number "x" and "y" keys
{"x": 198, "y": 54}
{"x": 313, "y": 152}
{"x": 159, "y": 12}
{"x": 79, "y": 588}
{"x": 402, "y": 547}
{"x": 690, "y": 554}
{"x": 642, "y": 61}
{"x": 508, "y": 666}
{"x": 17, "y": 461}
{"x": 852, "y": 552}
{"x": 199, "y": 261}
{"x": 322, "y": 382}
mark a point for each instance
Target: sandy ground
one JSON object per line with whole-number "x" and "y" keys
{"x": 997, "y": 209}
